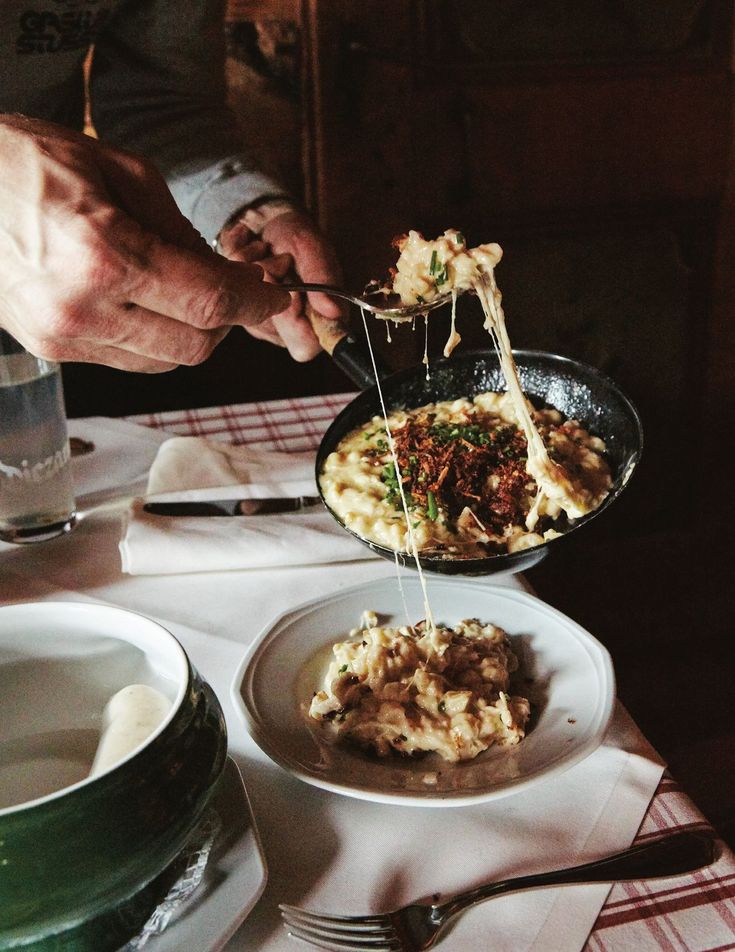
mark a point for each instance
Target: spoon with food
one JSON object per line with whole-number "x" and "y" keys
{"x": 381, "y": 301}
{"x": 428, "y": 270}
{"x": 427, "y": 275}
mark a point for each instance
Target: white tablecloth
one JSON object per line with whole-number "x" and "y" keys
{"x": 332, "y": 852}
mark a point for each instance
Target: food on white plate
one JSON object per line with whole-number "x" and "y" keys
{"x": 463, "y": 468}
{"x": 428, "y": 268}
{"x": 415, "y": 690}
{"x": 130, "y": 717}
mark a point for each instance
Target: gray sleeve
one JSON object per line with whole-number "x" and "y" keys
{"x": 157, "y": 88}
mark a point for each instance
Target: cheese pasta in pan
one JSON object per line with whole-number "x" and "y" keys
{"x": 463, "y": 471}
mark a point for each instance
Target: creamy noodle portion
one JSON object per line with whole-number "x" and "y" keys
{"x": 463, "y": 477}
{"x": 405, "y": 691}
{"x": 426, "y": 269}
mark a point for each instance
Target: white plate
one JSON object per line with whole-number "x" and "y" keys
{"x": 565, "y": 672}
{"x": 234, "y": 878}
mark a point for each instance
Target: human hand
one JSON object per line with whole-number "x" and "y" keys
{"x": 288, "y": 242}
{"x": 99, "y": 265}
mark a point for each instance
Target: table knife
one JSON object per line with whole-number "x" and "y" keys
{"x": 232, "y": 507}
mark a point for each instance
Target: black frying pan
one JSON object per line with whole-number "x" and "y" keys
{"x": 581, "y": 392}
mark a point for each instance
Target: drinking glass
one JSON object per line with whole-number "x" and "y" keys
{"x": 36, "y": 491}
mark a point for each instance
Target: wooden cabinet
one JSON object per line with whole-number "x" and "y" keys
{"x": 593, "y": 142}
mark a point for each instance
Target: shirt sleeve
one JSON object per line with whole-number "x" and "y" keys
{"x": 157, "y": 87}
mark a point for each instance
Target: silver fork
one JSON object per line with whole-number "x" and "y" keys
{"x": 387, "y": 305}
{"x": 418, "y": 926}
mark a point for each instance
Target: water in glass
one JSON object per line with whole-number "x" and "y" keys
{"x": 36, "y": 492}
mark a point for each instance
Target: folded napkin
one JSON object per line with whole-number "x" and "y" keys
{"x": 115, "y": 461}
{"x": 190, "y": 468}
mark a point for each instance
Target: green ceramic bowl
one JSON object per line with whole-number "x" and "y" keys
{"x": 83, "y": 861}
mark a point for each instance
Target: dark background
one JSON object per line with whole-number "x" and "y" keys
{"x": 593, "y": 141}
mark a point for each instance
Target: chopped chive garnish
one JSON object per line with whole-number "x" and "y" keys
{"x": 389, "y": 476}
{"x": 343, "y": 669}
{"x": 434, "y": 259}
{"x": 459, "y": 238}
{"x": 432, "y": 510}
{"x": 445, "y": 433}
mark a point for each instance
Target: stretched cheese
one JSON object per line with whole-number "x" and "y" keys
{"x": 129, "y": 719}
{"x": 426, "y": 269}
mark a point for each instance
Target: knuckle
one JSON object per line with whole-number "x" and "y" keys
{"x": 84, "y": 230}
{"x": 217, "y": 306}
{"x": 304, "y": 352}
{"x": 113, "y": 221}
{"x": 239, "y": 295}
{"x": 155, "y": 367}
{"x": 91, "y": 272}
{"x": 201, "y": 348}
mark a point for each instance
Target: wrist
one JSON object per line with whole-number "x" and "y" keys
{"x": 257, "y": 215}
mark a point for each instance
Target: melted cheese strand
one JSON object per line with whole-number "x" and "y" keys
{"x": 391, "y": 445}
{"x": 454, "y": 336}
{"x": 550, "y": 477}
{"x": 400, "y": 588}
{"x": 425, "y": 361}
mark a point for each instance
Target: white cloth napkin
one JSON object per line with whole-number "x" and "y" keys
{"x": 190, "y": 468}
{"x": 117, "y": 461}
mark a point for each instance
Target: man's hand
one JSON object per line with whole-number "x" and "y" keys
{"x": 99, "y": 265}
{"x": 288, "y": 242}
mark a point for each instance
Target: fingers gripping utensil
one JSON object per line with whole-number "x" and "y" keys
{"x": 345, "y": 350}
{"x": 418, "y": 926}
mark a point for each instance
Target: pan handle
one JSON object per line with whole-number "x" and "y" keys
{"x": 345, "y": 350}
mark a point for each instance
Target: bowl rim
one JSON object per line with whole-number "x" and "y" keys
{"x": 155, "y": 629}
